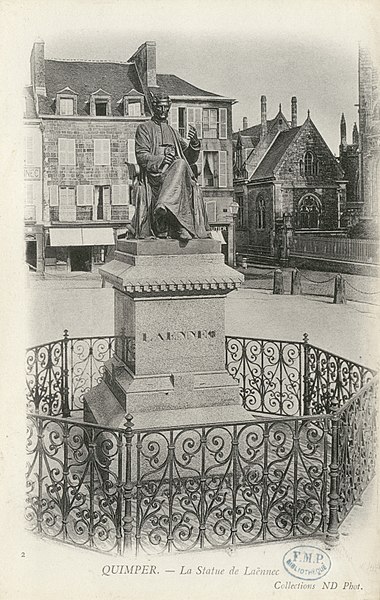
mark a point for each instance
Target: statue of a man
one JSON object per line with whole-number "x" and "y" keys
{"x": 168, "y": 199}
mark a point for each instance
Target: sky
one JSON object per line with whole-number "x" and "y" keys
{"x": 239, "y": 49}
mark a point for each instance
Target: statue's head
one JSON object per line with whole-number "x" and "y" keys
{"x": 161, "y": 105}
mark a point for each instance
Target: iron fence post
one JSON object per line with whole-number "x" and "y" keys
{"x": 332, "y": 535}
{"x": 306, "y": 396}
{"x": 65, "y": 376}
{"x": 128, "y": 519}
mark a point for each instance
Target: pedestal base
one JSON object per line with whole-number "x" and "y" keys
{"x": 169, "y": 323}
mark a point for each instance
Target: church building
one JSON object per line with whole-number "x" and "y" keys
{"x": 286, "y": 180}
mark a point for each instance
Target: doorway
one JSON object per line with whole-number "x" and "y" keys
{"x": 81, "y": 258}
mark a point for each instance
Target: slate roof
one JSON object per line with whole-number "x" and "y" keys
{"x": 175, "y": 86}
{"x": 86, "y": 77}
{"x": 274, "y": 154}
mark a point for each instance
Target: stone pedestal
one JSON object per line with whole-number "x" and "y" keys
{"x": 169, "y": 319}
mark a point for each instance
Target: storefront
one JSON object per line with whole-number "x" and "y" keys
{"x": 78, "y": 249}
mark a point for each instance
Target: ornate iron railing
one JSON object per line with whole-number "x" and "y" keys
{"x": 72, "y": 493}
{"x": 357, "y": 443}
{"x": 203, "y": 485}
{"x": 330, "y": 377}
{"x": 59, "y": 373}
{"x": 270, "y": 374}
{"x": 275, "y": 377}
{"x": 210, "y": 486}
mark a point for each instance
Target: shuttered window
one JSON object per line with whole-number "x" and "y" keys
{"x": 134, "y": 109}
{"x": 102, "y": 152}
{"x": 29, "y": 194}
{"x": 173, "y": 117}
{"x": 194, "y": 118}
{"x": 66, "y": 106}
{"x": 120, "y": 195}
{"x": 223, "y": 123}
{"x": 211, "y": 211}
{"x": 131, "y": 152}
{"x": 222, "y": 168}
{"x": 67, "y": 208}
{"x": 84, "y": 195}
{"x": 29, "y": 150}
{"x": 66, "y": 152}
{"x": 53, "y": 195}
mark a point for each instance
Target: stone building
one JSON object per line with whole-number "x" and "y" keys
{"x": 80, "y": 122}
{"x": 286, "y": 180}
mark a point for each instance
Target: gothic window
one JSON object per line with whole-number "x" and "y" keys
{"x": 260, "y": 213}
{"x": 308, "y": 214}
{"x": 309, "y": 163}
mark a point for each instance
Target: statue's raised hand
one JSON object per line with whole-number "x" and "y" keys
{"x": 192, "y": 135}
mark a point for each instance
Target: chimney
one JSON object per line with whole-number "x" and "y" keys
{"x": 294, "y": 112}
{"x": 145, "y": 61}
{"x": 355, "y": 135}
{"x": 37, "y": 68}
{"x": 263, "y": 116}
{"x": 245, "y": 122}
{"x": 343, "y": 133}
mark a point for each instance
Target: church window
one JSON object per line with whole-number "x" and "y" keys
{"x": 260, "y": 213}
{"x": 308, "y": 213}
{"x": 309, "y": 163}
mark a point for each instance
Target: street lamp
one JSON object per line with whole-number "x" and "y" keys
{"x": 234, "y": 209}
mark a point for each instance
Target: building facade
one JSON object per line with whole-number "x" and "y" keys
{"x": 83, "y": 115}
{"x": 369, "y": 139}
{"x": 286, "y": 181}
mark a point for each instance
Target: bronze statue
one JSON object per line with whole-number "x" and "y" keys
{"x": 168, "y": 199}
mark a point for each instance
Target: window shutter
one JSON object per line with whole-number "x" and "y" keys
{"x": 53, "y": 195}
{"x": 211, "y": 211}
{"x": 66, "y": 152}
{"x": 70, "y": 152}
{"x": 29, "y": 197}
{"x": 84, "y": 195}
{"x": 120, "y": 195}
{"x": 198, "y": 121}
{"x": 222, "y": 168}
{"x": 61, "y": 151}
{"x": 29, "y": 150}
{"x": 131, "y": 152}
{"x": 174, "y": 117}
{"x": 67, "y": 208}
{"x": 102, "y": 152}
{"x": 190, "y": 117}
{"x": 223, "y": 123}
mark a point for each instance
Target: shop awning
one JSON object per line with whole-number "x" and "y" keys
{"x": 81, "y": 236}
{"x": 218, "y": 236}
{"x": 94, "y": 236}
{"x": 66, "y": 237}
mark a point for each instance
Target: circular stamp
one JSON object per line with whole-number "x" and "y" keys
{"x": 307, "y": 562}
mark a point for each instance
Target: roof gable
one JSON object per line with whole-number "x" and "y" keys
{"x": 273, "y": 156}
{"x": 68, "y": 90}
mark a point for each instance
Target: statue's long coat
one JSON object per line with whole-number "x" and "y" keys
{"x": 174, "y": 187}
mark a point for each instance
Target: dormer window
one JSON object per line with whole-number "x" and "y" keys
{"x": 132, "y": 104}
{"x": 134, "y": 109}
{"x": 66, "y": 103}
{"x": 100, "y": 104}
{"x": 66, "y": 106}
